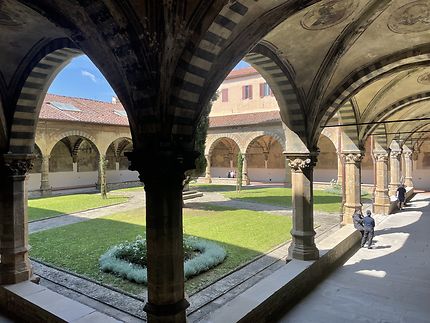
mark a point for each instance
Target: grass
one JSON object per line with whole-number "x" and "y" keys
{"x": 48, "y": 207}
{"x": 279, "y": 196}
{"x": 244, "y": 235}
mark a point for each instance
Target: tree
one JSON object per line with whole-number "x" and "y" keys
{"x": 200, "y": 142}
{"x": 239, "y": 171}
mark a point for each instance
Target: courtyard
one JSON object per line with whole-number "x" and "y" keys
{"x": 248, "y": 225}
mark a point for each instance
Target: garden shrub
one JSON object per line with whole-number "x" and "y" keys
{"x": 128, "y": 259}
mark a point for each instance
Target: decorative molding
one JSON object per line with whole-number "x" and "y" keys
{"x": 395, "y": 154}
{"x": 381, "y": 157}
{"x": 16, "y": 164}
{"x": 353, "y": 157}
{"x": 300, "y": 162}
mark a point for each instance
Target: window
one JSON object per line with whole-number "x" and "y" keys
{"x": 265, "y": 90}
{"x": 247, "y": 92}
{"x": 224, "y": 95}
{"x": 120, "y": 113}
{"x": 64, "y": 106}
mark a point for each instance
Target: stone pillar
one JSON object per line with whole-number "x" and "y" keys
{"x": 339, "y": 169}
{"x": 408, "y": 162}
{"x": 230, "y": 156}
{"x": 117, "y": 165}
{"x": 287, "y": 180}
{"x": 381, "y": 204}
{"x": 245, "y": 177}
{"x": 208, "y": 169}
{"x": 75, "y": 164}
{"x": 102, "y": 176}
{"x": 394, "y": 171}
{"x": 45, "y": 188}
{"x": 352, "y": 162}
{"x": 15, "y": 266}
{"x": 303, "y": 244}
{"x": 163, "y": 176}
{"x": 266, "y": 159}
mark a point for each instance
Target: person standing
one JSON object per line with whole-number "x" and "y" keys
{"x": 401, "y": 196}
{"x": 369, "y": 229}
{"x": 357, "y": 219}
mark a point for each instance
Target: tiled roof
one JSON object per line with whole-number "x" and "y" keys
{"x": 91, "y": 111}
{"x": 241, "y": 73}
{"x": 244, "y": 119}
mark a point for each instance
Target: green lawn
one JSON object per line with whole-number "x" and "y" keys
{"x": 279, "y": 196}
{"x": 47, "y": 207}
{"x": 244, "y": 234}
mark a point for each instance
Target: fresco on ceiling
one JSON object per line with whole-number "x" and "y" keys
{"x": 411, "y": 18}
{"x": 424, "y": 79}
{"x": 328, "y": 14}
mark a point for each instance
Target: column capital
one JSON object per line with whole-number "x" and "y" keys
{"x": 353, "y": 157}
{"x": 16, "y": 164}
{"x": 169, "y": 165}
{"x": 408, "y": 154}
{"x": 301, "y": 161}
{"x": 395, "y": 154}
{"x": 381, "y": 156}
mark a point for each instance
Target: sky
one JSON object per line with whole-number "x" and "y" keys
{"x": 81, "y": 78}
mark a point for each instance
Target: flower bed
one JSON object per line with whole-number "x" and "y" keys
{"x": 128, "y": 259}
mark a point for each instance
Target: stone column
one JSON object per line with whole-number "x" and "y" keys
{"x": 117, "y": 165}
{"x": 394, "y": 171}
{"x": 230, "y": 156}
{"x": 339, "y": 169}
{"x": 75, "y": 164}
{"x": 266, "y": 159}
{"x": 163, "y": 176}
{"x": 45, "y": 188}
{"x": 245, "y": 177}
{"x": 408, "y": 162}
{"x": 303, "y": 244}
{"x": 15, "y": 266}
{"x": 352, "y": 162}
{"x": 381, "y": 204}
{"x": 287, "y": 180}
{"x": 208, "y": 169}
{"x": 102, "y": 176}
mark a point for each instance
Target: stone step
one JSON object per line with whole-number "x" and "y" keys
{"x": 191, "y": 194}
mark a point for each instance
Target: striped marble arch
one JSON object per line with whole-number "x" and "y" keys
{"x": 52, "y": 60}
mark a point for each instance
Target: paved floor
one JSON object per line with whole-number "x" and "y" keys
{"x": 389, "y": 283}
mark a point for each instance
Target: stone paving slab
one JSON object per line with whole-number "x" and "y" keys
{"x": 389, "y": 283}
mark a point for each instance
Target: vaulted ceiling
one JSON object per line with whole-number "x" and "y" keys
{"x": 364, "y": 59}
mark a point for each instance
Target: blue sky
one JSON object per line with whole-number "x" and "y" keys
{"x": 81, "y": 78}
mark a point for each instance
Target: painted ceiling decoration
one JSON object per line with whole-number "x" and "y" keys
{"x": 165, "y": 59}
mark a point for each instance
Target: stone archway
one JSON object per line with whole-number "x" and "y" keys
{"x": 265, "y": 159}
{"x": 222, "y": 154}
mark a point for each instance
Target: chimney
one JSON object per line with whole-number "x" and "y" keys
{"x": 114, "y": 100}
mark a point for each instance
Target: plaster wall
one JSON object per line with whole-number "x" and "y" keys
{"x": 236, "y": 104}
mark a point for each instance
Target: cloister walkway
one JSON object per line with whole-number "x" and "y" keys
{"x": 389, "y": 283}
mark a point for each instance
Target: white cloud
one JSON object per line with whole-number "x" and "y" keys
{"x": 91, "y": 76}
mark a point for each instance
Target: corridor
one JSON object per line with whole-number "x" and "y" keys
{"x": 389, "y": 283}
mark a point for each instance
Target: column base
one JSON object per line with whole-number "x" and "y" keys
{"x": 174, "y": 313}
{"x": 348, "y": 212}
{"x": 45, "y": 192}
{"x": 300, "y": 253}
{"x": 408, "y": 182}
{"x": 208, "y": 180}
{"x": 13, "y": 276}
{"x": 381, "y": 208}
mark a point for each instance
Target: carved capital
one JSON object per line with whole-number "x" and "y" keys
{"x": 395, "y": 154}
{"x": 16, "y": 164}
{"x": 381, "y": 157}
{"x": 301, "y": 162}
{"x": 164, "y": 166}
{"x": 352, "y": 158}
{"x": 408, "y": 154}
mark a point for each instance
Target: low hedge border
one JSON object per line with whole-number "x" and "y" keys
{"x": 211, "y": 255}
